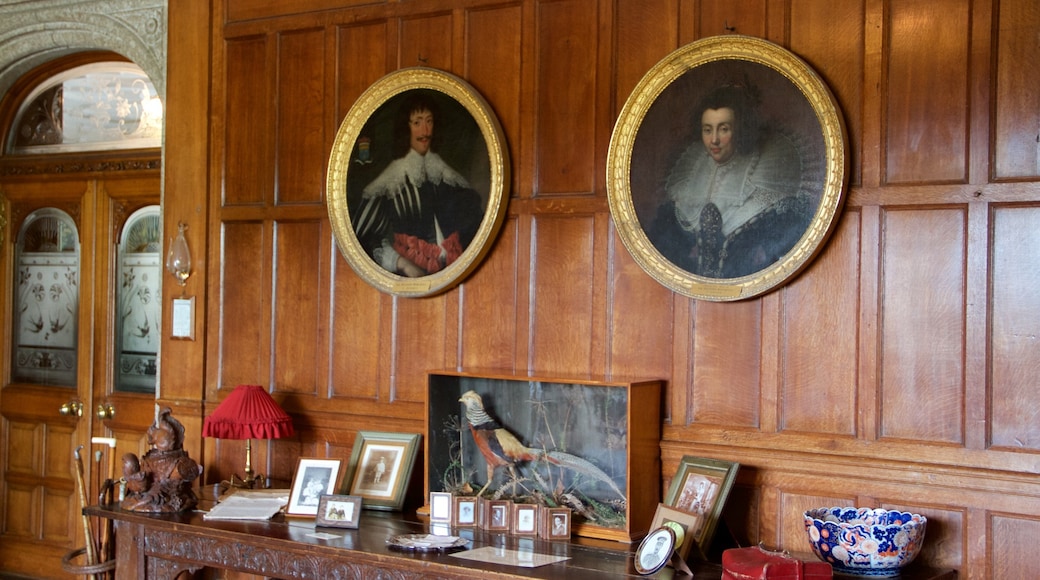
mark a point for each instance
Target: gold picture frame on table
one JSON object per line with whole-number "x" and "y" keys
{"x": 380, "y": 468}
{"x": 700, "y": 488}
{"x": 726, "y": 169}
{"x": 416, "y": 184}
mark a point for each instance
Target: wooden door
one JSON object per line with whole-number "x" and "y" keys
{"x": 44, "y": 422}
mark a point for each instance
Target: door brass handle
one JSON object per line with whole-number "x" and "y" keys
{"x": 72, "y": 408}
{"x": 106, "y": 412}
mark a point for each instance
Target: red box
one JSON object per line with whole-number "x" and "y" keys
{"x": 759, "y": 564}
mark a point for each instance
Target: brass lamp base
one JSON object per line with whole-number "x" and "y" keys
{"x": 250, "y": 482}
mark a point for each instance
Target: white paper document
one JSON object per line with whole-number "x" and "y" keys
{"x": 246, "y": 507}
{"x": 521, "y": 558}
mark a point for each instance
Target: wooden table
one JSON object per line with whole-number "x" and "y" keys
{"x": 159, "y": 547}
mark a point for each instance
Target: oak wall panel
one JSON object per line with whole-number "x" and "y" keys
{"x": 298, "y": 324}
{"x": 561, "y": 321}
{"x": 646, "y": 31}
{"x": 356, "y": 335}
{"x": 1017, "y": 102}
{"x": 1015, "y": 350}
{"x": 493, "y": 41}
{"x": 922, "y": 329}
{"x": 420, "y": 327}
{"x": 928, "y": 45}
{"x": 829, "y": 37}
{"x": 489, "y": 325}
{"x": 361, "y": 58}
{"x": 300, "y": 129}
{"x": 819, "y": 366}
{"x": 726, "y": 364}
{"x": 243, "y": 350}
{"x": 1011, "y": 552}
{"x": 255, "y": 9}
{"x": 427, "y": 41}
{"x": 717, "y": 17}
{"x": 248, "y": 150}
{"x": 565, "y": 118}
{"x": 628, "y": 335}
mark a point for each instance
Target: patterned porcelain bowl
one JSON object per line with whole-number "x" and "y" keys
{"x": 863, "y": 541}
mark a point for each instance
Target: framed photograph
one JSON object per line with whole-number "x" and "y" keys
{"x": 381, "y": 467}
{"x": 556, "y": 524}
{"x": 498, "y": 515}
{"x": 655, "y": 550}
{"x": 314, "y": 477}
{"x": 525, "y": 519}
{"x": 416, "y": 182}
{"x": 726, "y": 170}
{"x": 339, "y": 511}
{"x": 440, "y": 507}
{"x": 684, "y": 524}
{"x": 700, "y": 488}
{"x": 466, "y": 511}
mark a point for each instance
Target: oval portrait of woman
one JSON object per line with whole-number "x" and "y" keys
{"x": 728, "y": 180}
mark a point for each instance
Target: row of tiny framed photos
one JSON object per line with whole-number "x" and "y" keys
{"x": 501, "y": 515}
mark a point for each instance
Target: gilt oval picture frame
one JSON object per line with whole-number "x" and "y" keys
{"x": 416, "y": 182}
{"x": 726, "y": 169}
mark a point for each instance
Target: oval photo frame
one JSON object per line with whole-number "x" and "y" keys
{"x": 745, "y": 207}
{"x": 452, "y": 194}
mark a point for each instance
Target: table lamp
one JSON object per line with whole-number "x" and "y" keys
{"x": 248, "y": 412}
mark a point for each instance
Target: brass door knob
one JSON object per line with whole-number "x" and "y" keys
{"x": 71, "y": 408}
{"x": 106, "y": 412}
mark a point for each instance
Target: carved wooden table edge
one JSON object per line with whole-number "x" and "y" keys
{"x": 161, "y": 546}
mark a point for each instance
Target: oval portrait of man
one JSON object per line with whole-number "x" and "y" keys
{"x": 415, "y": 182}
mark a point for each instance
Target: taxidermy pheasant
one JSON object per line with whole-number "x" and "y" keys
{"x": 501, "y": 448}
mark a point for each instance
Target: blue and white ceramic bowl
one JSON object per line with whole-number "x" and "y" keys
{"x": 863, "y": 541}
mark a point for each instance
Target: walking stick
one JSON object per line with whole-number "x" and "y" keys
{"x": 87, "y": 535}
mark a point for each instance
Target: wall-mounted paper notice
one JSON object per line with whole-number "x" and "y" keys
{"x": 184, "y": 318}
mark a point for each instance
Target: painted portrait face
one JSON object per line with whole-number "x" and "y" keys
{"x": 420, "y": 124}
{"x": 717, "y": 133}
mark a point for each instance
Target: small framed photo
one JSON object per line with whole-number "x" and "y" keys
{"x": 525, "y": 519}
{"x": 497, "y": 515}
{"x": 556, "y": 524}
{"x": 655, "y": 550}
{"x": 466, "y": 511}
{"x": 700, "y": 487}
{"x": 440, "y": 507}
{"x": 339, "y": 511}
{"x": 381, "y": 467}
{"x": 684, "y": 524}
{"x": 314, "y": 477}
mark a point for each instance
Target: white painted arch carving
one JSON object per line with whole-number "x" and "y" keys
{"x": 37, "y": 31}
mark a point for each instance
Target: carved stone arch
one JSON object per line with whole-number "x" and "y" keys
{"x": 33, "y": 33}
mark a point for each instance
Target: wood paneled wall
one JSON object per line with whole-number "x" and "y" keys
{"x": 898, "y": 370}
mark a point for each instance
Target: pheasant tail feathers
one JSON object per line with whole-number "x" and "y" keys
{"x": 582, "y": 466}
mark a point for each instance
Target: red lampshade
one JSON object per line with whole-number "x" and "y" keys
{"x": 248, "y": 412}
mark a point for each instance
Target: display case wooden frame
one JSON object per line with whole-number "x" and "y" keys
{"x": 613, "y": 423}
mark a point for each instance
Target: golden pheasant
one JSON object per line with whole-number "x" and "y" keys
{"x": 501, "y": 448}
